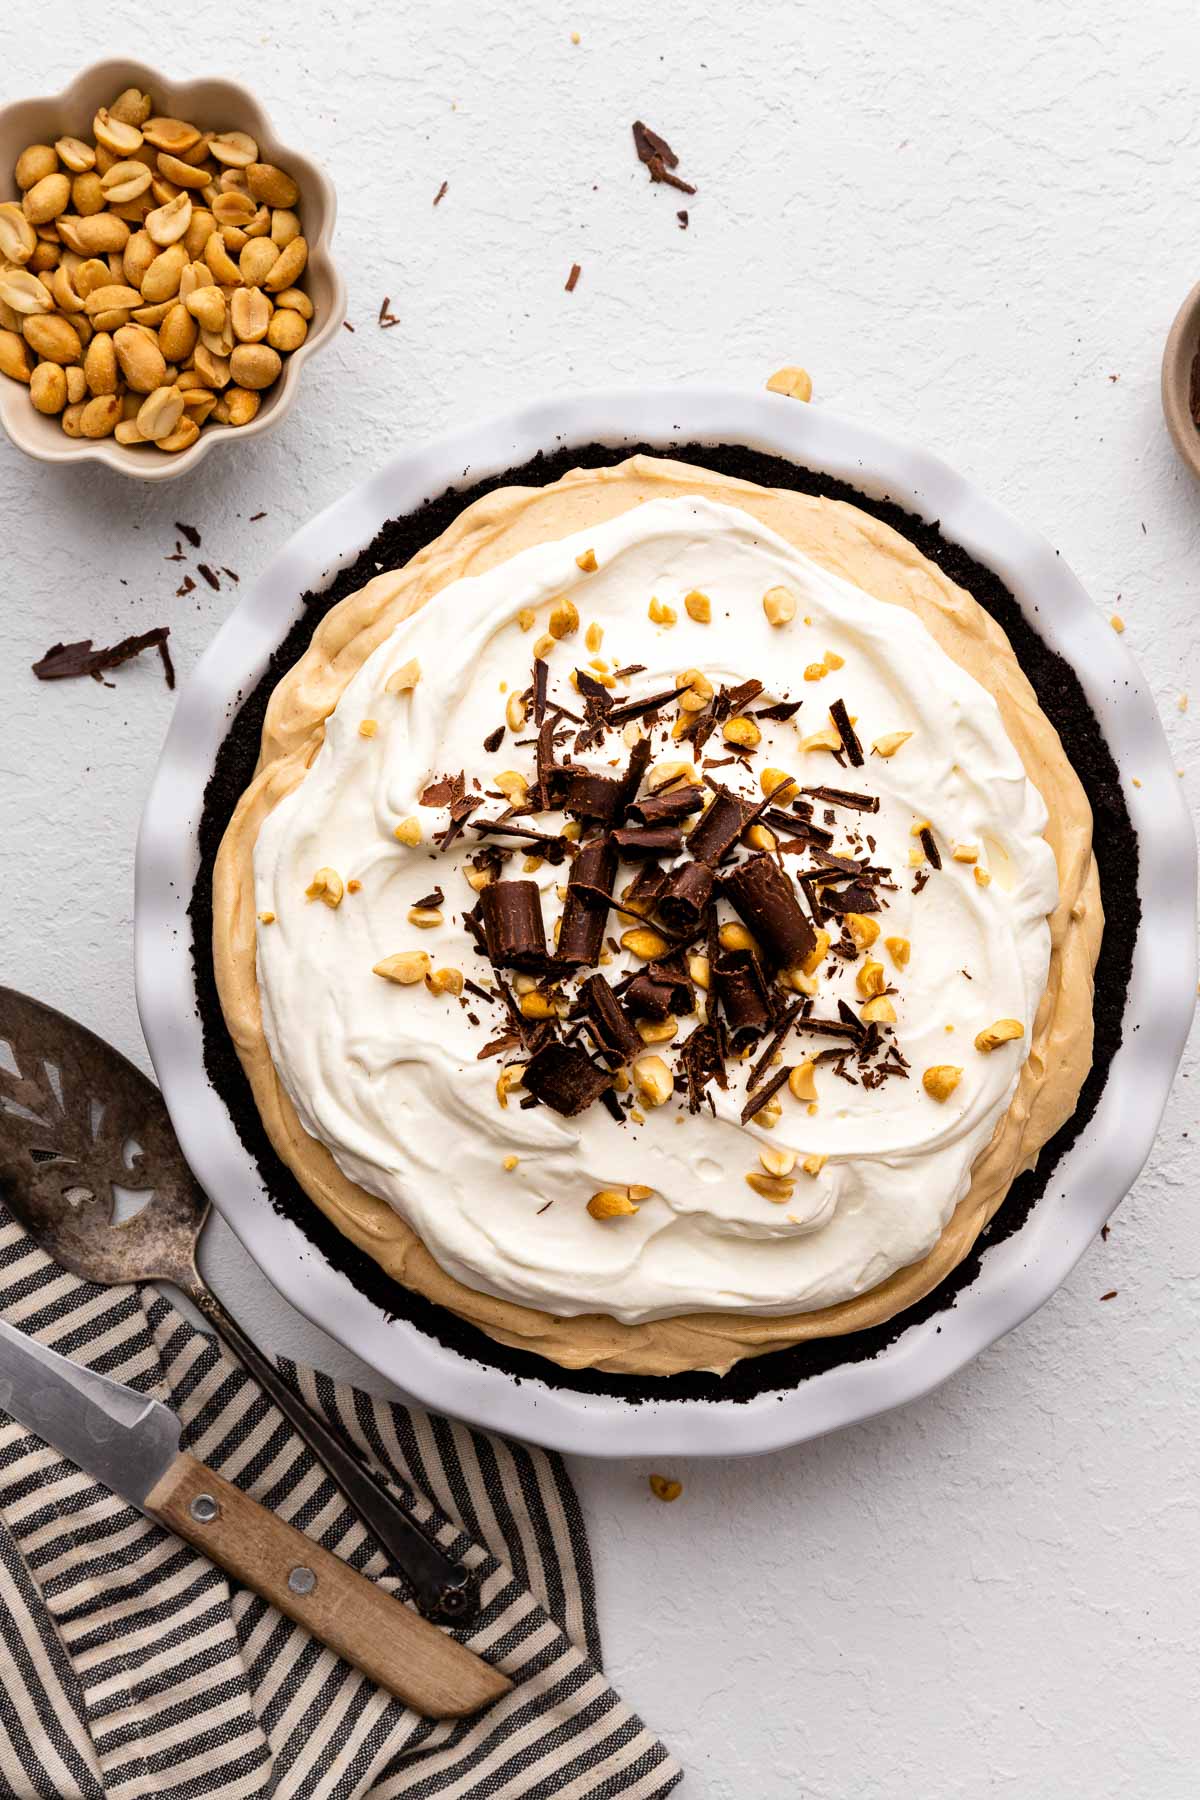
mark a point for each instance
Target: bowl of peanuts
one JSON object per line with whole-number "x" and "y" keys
{"x": 164, "y": 270}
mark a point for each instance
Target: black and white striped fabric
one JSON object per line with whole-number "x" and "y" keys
{"x": 134, "y": 1670}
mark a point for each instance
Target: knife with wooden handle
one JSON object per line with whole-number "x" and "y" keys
{"x": 130, "y": 1443}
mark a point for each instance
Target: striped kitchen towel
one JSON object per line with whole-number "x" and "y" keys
{"x": 135, "y": 1670}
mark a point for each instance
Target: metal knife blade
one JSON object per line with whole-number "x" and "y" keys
{"x": 122, "y": 1438}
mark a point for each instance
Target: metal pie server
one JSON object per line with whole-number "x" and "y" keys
{"x": 78, "y": 1123}
{"x": 131, "y": 1444}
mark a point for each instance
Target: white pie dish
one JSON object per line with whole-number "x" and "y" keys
{"x": 1018, "y": 1274}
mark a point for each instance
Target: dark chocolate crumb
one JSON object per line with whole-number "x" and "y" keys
{"x": 190, "y": 533}
{"x": 441, "y": 194}
{"x": 573, "y": 278}
{"x": 210, "y": 575}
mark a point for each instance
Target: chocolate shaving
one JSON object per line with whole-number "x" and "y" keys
{"x": 572, "y": 280}
{"x": 209, "y": 575}
{"x": 647, "y": 886}
{"x": 847, "y": 733}
{"x": 564, "y": 1078}
{"x": 649, "y": 840}
{"x": 590, "y": 795}
{"x": 720, "y": 828}
{"x": 494, "y": 739}
{"x": 659, "y": 158}
{"x": 64, "y": 662}
{"x": 681, "y": 215}
{"x": 433, "y": 898}
{"x": 781, "y": 1030}
{"x": 589, "y": 896}
{"x": 541, "y": 676}
{"x": 702, "y": 1059}
{"x": 550, "y": 844}
{"x": 738, "y": 983}
{"x": 668, "y": 807}
{"x": 856, "y": 898}
{"x": 612, "y": 1027}
{"x": 763, "y": 897}
{"x": 802, "y": 832}
{"x": 782, "y": 710}
{"x": 512, "y": 923}
{"x": 190, "y": 533}
{"x": 930, "y": 848}
{"x": 660, "y": 989}
{"x": 637, "y": 709}
{"x": 843, "y": 1028}
{"x": 685, "y": 894}
{"x": 843, "y": 797}
{"x": 639, "y": 762}
{"x": 441, "y": 193}
{"x": 757, "y": 1101}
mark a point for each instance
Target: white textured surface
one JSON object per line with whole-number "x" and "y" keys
{"x": 963, "y": 223}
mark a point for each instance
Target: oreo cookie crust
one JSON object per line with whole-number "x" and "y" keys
{"x": 1115, "y": 845}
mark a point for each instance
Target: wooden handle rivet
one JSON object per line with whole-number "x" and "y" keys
{"x": 301, "y": 1580}
{"x": 204, "y": 1508}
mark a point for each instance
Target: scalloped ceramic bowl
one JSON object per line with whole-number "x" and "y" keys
{"x": 216, "y": 104}
{"x": 1017, "y": 1275}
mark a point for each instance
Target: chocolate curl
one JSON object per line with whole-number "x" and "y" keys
{"x": 659, "y": 990}
{"x": 585, "y": 913}
{"x": 610, "y": 1024}
{"x": 564, "y": 1078}
{"x": 667, "y": 808}
{"x": 589, "y": 795}
{"x": 687, "y": 892}
{"x": 644, "y": 890}
{"x": 856, "y": 898}
{"x": 639, "y": 762}
{"x": 844, "y": 797}
{"x": 649, "y": 840}
{"x": 765, "y": 900}
{"x": 512, "y": 924}
{"x": 847, "y": 733}
{"x": 720, "y": 828}
{"x": 738, "y": 982}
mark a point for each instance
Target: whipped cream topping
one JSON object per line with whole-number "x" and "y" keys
{"x": 389, "y": 1077}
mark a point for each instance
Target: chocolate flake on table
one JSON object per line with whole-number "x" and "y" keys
{"x": 65, "y": 662}
{"x": 210, "y": 575}
{"x": 682, "y": 216}
{"x": 759, "y": 1099}
{"x": 255, "y": 517}
{"x": 190, "y": 533}
{"x": 441, "y": 193}
{"x": 185, "y": 587}
{"x": 847, "y": 733}
{"x": 930, "y": 848}
{"x": 658, "y": 157}
{"x": 764, "y": 899}
{"x": 232, "y": 574}
{"x": 572, "y": 281}
{"x": 387, "y": 317}
{"x": 564, "y": 1078}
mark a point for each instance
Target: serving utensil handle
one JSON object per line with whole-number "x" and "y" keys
{"x": 363, "y": 1623}
{"x": 442, "y": 1588}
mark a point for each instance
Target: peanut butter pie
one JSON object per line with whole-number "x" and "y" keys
{"x": 661, "y": 925}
